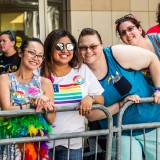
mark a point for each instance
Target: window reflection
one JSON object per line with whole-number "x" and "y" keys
{"x": 23, "y": 17}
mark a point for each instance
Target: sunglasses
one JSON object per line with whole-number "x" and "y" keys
{"x": 60, "y": 46}
{"x": 128, "y": 16}
{"x": 9, "y": 32}
{"x": 92, "y": 47}
{"x": 124, "y": 32}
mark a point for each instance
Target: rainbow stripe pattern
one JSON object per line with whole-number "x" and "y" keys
{"x": 67, "y": 94}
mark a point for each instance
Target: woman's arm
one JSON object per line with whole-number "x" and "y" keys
{"x": 87, "y": 102}
{"x": 136, "y": 58}
{"x": 98, "y": 114}
{"x": 47, "y": 88}
{"x": 5, "y": 94}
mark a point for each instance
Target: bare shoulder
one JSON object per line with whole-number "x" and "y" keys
{"x": 4, "y": 80}
{"x": 4, "y": 77}
{"x": 45, "y": 81}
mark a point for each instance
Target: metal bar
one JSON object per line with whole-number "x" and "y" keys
{"x": 108, "y": 131}
{"x": 119, "y": 122}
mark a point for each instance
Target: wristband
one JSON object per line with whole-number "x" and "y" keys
{"x": 20, "y": 106}
{"x": 92, "y": 97}
{"x": 157, "y": 89}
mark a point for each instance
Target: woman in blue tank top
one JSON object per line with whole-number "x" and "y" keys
{"x": 118, "y": 68}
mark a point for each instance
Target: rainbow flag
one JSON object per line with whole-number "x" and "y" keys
{"x": 69, "y": 93}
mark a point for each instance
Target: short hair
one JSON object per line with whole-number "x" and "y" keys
{"x": 89, "y": 31}
{"x": 130, "y": 18}
{"x": 10, "y": 33}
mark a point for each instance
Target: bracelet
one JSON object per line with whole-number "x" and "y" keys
{"x": 92, "y": 96}
{"x": 157, "y": 89}
{"x": 20, "y": 106}
{"x": 119, "y": 104}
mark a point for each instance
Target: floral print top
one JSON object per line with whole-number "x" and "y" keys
{"x": 22, "y": 93}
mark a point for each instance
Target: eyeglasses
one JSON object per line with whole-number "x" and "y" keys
{"x": 124, "y": 18}
{"x": 33, "y": 54}
{"x": 124, "y": 32}
{"x": 9, "y": 32}
{"x": 91, "y": 47}
{"x": 60, "y": 46}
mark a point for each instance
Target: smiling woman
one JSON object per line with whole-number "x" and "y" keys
{"x": 23, "y": 89}
{"x": 132, "y": 33}
{"x": 73, "y": 84}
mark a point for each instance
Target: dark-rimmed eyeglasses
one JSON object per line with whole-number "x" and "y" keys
{"x": 9, "y": 32}
{"x": 124, "y": 17}
{"x": 60, "y": 46}
{"x": 33, "y": 54}
{"x": 124, "y": 32}
{"x": 91, "y": 47}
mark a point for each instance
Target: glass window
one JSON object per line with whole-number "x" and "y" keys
{"x": 55, "y": 15}
{"x": 23, "y": 17}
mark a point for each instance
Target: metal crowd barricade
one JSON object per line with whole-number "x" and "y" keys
{"x": 108, "y": 132}
{"x": 131, "y": 127}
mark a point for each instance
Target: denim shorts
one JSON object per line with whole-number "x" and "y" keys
{"x": 61, "y": 153}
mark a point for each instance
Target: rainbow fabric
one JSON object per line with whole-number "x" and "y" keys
{"x": 67, "y": 94}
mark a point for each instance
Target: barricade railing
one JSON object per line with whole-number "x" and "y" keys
{"x": 131, "y": 127}
{"x": 107, "y": 132}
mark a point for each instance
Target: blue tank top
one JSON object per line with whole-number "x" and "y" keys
{"x": 155, "y": 40}
{"x": 21, "y": 93}
{"x": 119, "y": 83}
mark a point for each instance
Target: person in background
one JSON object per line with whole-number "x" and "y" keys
{"x": 118, "y": 69}
{"x": 132, "y": 33}
{"x": 156, "y": 28}
{"x": 23, "y": 89}
{"x": 9, "y": 59}
{"x": 74, "y": 84}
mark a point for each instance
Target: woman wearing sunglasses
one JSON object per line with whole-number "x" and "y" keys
{"x": 23, "y": 89}
{"x": 9, "y": 59}
{"x": 118, "y": 69}
{"x": 132, "y": 33}
{"x": 74, "y": 84}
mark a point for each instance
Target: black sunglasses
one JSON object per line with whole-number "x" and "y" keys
{"x": 60, "y": 46}
{"x": 9, "y": 32}
{"x": 124, "y": 18}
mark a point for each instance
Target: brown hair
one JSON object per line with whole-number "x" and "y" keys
{"x": 132, "y": 20}
{"x": 158, "y": 14}
{"x": 89, "y": 31}
{"x": 49, "y": 44}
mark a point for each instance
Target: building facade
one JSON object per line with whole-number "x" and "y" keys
{"x": 36, "y": 18}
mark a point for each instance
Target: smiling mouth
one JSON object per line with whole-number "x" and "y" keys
{"x": 130, "y": 39}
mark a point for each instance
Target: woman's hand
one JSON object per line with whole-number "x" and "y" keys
{"x": 85, "y": 105}
{"x": 134, "y": 98}
{"x": 40, "y": 102}
{"x": 49, "y": 106}
{"x": 156, "y": 96}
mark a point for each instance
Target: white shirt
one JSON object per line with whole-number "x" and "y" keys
{"x": 67, "y": 92}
